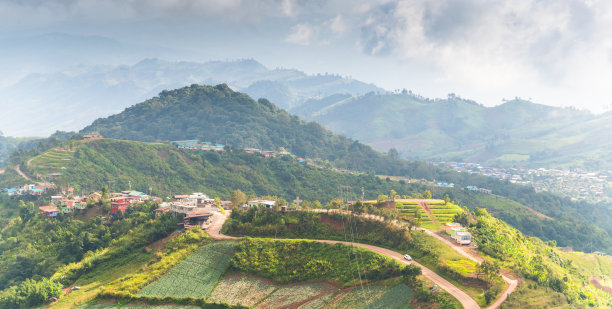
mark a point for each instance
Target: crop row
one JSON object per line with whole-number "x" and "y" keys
{"x": 196, "y": 276}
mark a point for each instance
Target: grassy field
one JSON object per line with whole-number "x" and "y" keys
{"x": 195, "y": 277}
{"x": 530, "y": 295}
{"x": 52, "y": 161}
{"x": 93, "y": 281}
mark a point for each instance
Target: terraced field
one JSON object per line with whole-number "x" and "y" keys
{"x": 439, "y": 212}
{"x": 196, "y": 276}
{"x": 51, "y": 162}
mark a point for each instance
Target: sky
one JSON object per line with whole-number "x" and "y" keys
{"x": 554, "y": 52}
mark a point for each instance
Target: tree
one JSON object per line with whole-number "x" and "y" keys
{"x": 26, "y": 211}
{"x": 358, "y": 207}
{"x": 489, "y": 270}
{"x": 316, "y": 205}
{"x": 381, "y": 199}
{"x": 427, "y": 194}
{"x": 410, "y": 272}
{"x": 217, "y": 202}
{"x": 462, "y": 218}
{"x": 238, "y": 198}
{"x": 417, "y": 217}
{"x": 392, "y": 194}
{"x": 393, "y": 153}
{"x": 446, "y": 199}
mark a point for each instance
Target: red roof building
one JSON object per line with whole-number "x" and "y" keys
{"x": 49, "y": 211}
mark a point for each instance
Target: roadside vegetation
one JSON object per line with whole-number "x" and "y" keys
{"x": 427, "y": 250}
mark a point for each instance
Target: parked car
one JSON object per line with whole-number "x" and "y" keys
{"x": 76, "y": 288}
{"x": 407, "y": 257}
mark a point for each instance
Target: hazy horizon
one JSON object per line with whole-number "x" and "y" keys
{"x": 554, "y": 53}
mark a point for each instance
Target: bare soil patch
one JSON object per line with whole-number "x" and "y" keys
{"x": 329, "y": 221}
{"x": 595, "y": 281}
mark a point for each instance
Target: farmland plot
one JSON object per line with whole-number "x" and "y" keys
{"x": 104, "y": 305}
{"x": 196, "y": 276}
{"x": 243, "y": 290}
{"x": 360, "y": 298}
{"x": 286, "y": 296}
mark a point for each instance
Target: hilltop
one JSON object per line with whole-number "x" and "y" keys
{"x": 517, "y": 132}
{"x": 221, "y": 115}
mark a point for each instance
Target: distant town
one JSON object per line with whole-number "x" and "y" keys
{"x": 576, "y": 184}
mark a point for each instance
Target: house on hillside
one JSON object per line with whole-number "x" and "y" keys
{"x": 119, "y": 204}
{"x": 201, "y": 199}
{"x": 198, "y": 218}
{"x": 463, "y": 238}
{"x": 264, "y": 203}
{"x": 92, "y": 136}
{"x": 163, "y": 208}
{"x": 49, "y": 211}
{"x": 477, "y": 189}
{"x": 458, "y": 233}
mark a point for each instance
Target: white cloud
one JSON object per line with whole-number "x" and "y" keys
{"x": 300, "y": 34}
{"x": 337, "y": 25}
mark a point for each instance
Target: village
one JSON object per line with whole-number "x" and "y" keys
{"x": 576, "y": 184}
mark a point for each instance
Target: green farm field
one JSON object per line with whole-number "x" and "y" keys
{"x": 195, "y": 277}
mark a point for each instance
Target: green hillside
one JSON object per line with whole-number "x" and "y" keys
{"x": 517, "y": 132}
{"x": 168, "y": 170}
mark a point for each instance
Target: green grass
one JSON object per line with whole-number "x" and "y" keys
{"x": 530, "y": 295}
{"x": 93, "y": 281}
{"x": 196, "y": 276}
{"x": 464, "y": 267}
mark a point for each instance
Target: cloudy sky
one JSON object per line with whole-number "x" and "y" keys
{"x": 556, "y": 52}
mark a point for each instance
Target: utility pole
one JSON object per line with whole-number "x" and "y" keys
{"x": 130, "y": 183}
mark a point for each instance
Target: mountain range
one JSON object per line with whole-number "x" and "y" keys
{"x": 515, "y": 133}
{"x": 74, "y": 98}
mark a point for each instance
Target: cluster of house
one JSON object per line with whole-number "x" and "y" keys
{"x": 93, "y": 136}
{"x": 64, "y": 204}
{"x": 121, "y": 201}
{"x": 195, "y": 144}
{"x": 272, "y": 154}
{"x": 477, "y": 189}
{"x": 27, "y": 189}
{"x": 458, "y": 233}
{"x": 197, "y": 207}
{"x": 445, "y": 185}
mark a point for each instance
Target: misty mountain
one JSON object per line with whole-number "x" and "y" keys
{"x": 71, "y": 99}
{"x": 517, "y": 132}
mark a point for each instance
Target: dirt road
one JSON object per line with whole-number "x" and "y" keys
{"x": 512, "y": 283}
{"x": 215, "y": 232}
{"x": 18, "y": 170}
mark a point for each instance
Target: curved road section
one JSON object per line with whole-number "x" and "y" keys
{"x": 215, "y": 232}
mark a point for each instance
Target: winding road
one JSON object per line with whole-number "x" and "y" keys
{"x": 18, "y": 170}
{"x": 215, "y": 232}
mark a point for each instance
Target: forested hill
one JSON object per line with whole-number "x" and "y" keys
{"x": 220, "y": 115}
{"x": 167, "y": 170}
{"x": 517, "y": 132}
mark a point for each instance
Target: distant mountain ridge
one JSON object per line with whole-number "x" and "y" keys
{"x": 87, "y": 93}
{"x": 517, "y": 132}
